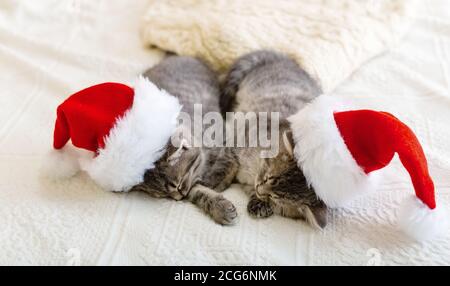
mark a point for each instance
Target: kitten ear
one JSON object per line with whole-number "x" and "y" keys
{"x": 316, "y": 215}
{"x": 184, "y": 145}
{"x": 288, "y": 141}
{"x": 182, "y": 138}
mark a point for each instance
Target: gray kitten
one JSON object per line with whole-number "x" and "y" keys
{"x": 190, "y": 172}
{"x": 267, "y": 81}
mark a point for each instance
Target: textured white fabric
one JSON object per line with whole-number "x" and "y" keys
{"x": 49, "y": 49}
{"x": 330, "y": 38}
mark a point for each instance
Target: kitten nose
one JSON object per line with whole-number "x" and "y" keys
{"x": 176, "y": 195}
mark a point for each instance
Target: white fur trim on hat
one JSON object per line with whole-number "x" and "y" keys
{"x": 322, "y": 155}
{"x": 137, "y": 140}
{"x": 420, "y": 222}
{"x": 60, "y": 164}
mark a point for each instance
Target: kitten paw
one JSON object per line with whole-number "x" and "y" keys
{"x": 223, "y": 211}
{"x": 259, "y": 209}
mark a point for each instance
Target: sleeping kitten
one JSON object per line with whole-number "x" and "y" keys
{"x": 190, "y": 172}
{"x": 267, "y": 81}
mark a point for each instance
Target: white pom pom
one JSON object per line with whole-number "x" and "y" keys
{"x": 60, "y": 164}
{"x": 420, "y": 222}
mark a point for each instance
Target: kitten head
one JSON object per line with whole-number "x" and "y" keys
{"x": 282, "y": 182}
{"x": 173, "y": 175}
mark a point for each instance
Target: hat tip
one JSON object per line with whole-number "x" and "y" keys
{"x": 420, "y": 222}
{"x": 60, "y": 164}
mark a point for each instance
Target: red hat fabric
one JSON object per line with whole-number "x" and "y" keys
{"x": 374, "y": 137}
{"x": 125, "y": 129}
{"x": 338, "y": 151}
{"x": 87, "y": 116}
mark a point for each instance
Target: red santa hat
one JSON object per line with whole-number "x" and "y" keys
{"x": 125, "y": 129}
{"x": 338, "y": 150}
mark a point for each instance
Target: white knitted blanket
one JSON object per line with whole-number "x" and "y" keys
{"x": 329, "y": 38}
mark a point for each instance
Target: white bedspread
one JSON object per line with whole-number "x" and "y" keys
{"x": 51, "y": 48}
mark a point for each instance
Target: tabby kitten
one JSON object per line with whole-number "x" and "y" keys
{"x": 267, "y": 81}
{"x": 187, "y": 172}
